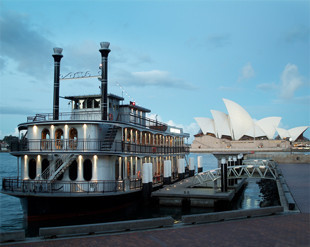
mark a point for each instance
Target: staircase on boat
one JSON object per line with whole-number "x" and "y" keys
{"x": 58, "y": 167}
{"x": 109, "y": 138}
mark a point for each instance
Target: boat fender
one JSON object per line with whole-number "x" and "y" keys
{"x": 110, "y": 116}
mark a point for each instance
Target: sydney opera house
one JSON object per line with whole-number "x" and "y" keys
{"x": 238, "y": 126}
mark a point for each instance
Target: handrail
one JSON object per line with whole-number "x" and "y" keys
{"x": 44, "y": 186}
{"x": 96, "y": 115}
{"x": 90, "y": 145}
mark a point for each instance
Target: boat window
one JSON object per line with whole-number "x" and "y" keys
{"x": 73, "y": 138}
{"x": 73, "y": 170}
{"x": 96, "y": 103}
{"x": 87, "y": 170}
{"x": 45, "y": 135}
{"x": 45, "y": 164}
{"x": 133, "y": 166}
{"x": 128, "y": 168}
{"x": 116, "y": 169}
{"x": 32, "y": 171}
{"x": 75, "y": 104}
{"x": 59, "y": 136}
{"x": 89, "y": 103}
{"x": 128, "y": 135}
{"x": 138, "y": 137}
{"x": 60, "y": 177}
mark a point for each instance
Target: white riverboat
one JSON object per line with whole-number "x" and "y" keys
{"x": 93, "y": 157}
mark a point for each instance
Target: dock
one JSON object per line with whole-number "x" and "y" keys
{"x": 184, "y": 193}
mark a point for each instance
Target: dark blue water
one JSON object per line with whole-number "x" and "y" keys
{"x": 11, "y": 215}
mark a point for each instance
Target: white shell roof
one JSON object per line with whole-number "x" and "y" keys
{"x": 221, "y": 123}
{"x": 238, "y": 123}
{"x": 255, "y": 131}
{"x": 296, "y": 132}
{"x": 240, "y": 120}
{"x": 283, "y": 133}
{"x": 206, "y": 124}
{"x": 269, "y": 125}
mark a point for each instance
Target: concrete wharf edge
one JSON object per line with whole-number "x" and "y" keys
{"x": 106, "y": 227}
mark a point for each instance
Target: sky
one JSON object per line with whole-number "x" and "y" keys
{"x": 177, "y": 58}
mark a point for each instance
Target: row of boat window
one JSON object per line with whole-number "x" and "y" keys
{"x": 129, "y": 135}
{"x": 130, "y": 166}
{"x": 59, "y": 136}
{"x": 73, "y": 169}
{"x": 138, "y": 137}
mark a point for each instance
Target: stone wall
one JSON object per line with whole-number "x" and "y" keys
{"x": 208, "y": 143}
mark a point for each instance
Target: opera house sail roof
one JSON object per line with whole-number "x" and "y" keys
{"x": 238, "y": 124}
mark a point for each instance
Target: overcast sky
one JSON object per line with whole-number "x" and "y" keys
{"x": 176, "y": 58}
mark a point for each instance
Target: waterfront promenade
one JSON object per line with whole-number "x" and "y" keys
{"x": 281, "y": 230}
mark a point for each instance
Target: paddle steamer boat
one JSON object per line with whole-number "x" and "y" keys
{"x": 93, "y": 157}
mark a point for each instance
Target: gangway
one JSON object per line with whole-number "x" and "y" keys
{"x": 264, "y": 169}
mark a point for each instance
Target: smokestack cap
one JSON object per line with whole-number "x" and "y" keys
{"x": 57, "y": 51}
{"x": 104, "y": 45}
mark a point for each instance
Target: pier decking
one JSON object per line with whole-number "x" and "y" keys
{"x": 184, "y": 192}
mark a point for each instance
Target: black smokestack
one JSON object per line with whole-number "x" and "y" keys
{"x": 57, "y": 57}
{"x": 104, "y": 79}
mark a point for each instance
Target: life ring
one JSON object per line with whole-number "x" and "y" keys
{"x": 110, "y": 116}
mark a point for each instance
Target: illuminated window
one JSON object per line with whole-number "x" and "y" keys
{"x": 59, "y": 136}
{"x": 73, "y": 138}
{"x": 45, "y": 136}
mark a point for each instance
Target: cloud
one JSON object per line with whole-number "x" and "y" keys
{"x": 156, "y": 78}
{"x": 247, "y": 72}
{"x": 15, "y": 110}
{"x": 218, "y": 40}
{"x": 229, "y": 89}
{"x": 298, "y": 34}
{"x": 24, "y": 44}
{"x": 268, "y": 87}
{"x": 290, "y": 81}
{"x": 191, "y": 128}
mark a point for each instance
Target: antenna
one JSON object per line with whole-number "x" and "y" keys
{"x": 126, "y": 93}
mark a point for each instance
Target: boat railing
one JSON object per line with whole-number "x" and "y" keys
{"x": 44, "y": 186}
{"x": 91, "y": 145}
{"x": 96, "y": 115}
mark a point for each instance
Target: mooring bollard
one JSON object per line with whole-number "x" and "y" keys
{"x": 147, "y": 180}
{"x": 240, "y": 159}
{"x": 191, "y": 167}
{"x": 181, "y": 168}
{"x": 230, "y": 163}
{"x": 223, "y": 175}
{"x": 199, "y": 161}
{"x": 167, "y": 172}
{"x": 234, "y": 164}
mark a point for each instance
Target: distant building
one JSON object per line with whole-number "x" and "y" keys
{"x": 4, "y": 146}
{"x": 239, "y": 125}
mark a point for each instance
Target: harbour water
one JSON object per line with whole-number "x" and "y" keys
{"x": 11, "y": 215}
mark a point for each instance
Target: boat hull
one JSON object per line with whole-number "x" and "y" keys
{"x": 40, "y": 208}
